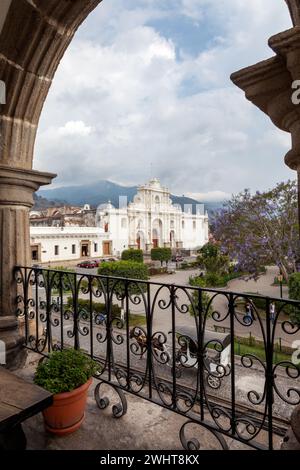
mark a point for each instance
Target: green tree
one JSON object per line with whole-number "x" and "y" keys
{"x": 212, "y": 259}
{"x": 133, "y": 255}
{"x": 58, "y": 277}
{"x": 260, "y": 229}
{"x": 161, "y": 254}
{"x": 126, "y": 270}
{"x": 207, "y": 307}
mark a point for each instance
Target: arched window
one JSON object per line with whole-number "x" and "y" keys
{"x": 194, "y": 225}
{"x": 182, "y": 224}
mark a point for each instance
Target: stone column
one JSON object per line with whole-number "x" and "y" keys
{"x": 16, "y": 198}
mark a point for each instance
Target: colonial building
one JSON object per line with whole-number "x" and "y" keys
{"x": 50, "y": 244}
{"x": 152, "y": 220}
{"x": 65, "y": 216}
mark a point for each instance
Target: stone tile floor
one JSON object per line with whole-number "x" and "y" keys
{"x": 146, "y": 426}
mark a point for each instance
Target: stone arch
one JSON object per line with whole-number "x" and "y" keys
{"x": 172, "y": 239}
{"x": 157, "y": 230}
{"x": 34, "y": 34}
{"x": 140, "y": 240}
{"x": 34, "y": 37}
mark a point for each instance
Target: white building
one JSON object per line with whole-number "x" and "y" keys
{"x": 151, "y": 220}
{"x": 67, "y": 243}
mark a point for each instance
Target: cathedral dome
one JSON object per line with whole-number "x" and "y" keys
{"x": 106, "y": 206}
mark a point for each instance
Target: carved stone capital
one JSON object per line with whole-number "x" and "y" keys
{"x": 268, "y": 85}
{"x": 18, "y": 185}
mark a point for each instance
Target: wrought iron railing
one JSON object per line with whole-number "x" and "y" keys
{"x": 163, "y": 343}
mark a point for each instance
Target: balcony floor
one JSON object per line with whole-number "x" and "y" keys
{"x": 146, "y": 426}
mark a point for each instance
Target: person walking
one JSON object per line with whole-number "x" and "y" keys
{"x": 272, "y": 312}
{"x": 248, "y": 319}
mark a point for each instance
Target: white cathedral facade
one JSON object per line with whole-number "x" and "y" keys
{"x": 152, "y": 220}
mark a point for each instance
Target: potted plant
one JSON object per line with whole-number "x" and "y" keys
{"x": 68, "y": 375}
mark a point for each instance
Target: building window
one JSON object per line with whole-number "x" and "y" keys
{"x": 194, "y": 225}
{"x": 124, "y": 223}
{"x": 95, "y": 247}
{"x": 73, "y": 249}
{"x": 56, "y": 250}
{"x": 182, "y": 224}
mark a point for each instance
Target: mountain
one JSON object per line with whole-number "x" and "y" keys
{"x": 43, "y": 203}
{"x": 213, "y": 206}
{"x": 103, "y": 191}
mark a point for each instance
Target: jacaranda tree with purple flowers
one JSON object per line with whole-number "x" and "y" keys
{"x": 260, "y": 229}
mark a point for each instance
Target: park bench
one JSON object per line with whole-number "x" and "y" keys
{"x": 222, "y": 329}
{"x": 19, "y": 400}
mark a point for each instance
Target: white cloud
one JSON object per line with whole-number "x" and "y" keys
{"x": 210, "y": 196}
{"x": 122, "y": 88}
{"x": 73, "y": 128}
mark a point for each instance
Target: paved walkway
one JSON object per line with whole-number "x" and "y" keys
{"x": 263, "y": 286}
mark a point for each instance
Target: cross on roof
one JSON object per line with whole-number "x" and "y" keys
{"x": 294, "y": 7}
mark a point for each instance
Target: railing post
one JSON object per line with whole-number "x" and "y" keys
{"x": 200, "y": 334}
{"x": 174, "y": 381}
{"x": 127, "y": 334}
{"x": 232, "y": 360}
{"x": 76, "y": 333}
{"x": 90, "y": 286}
{"x": 269, "y": 375}
{"x": 108, "y": 328}
{"x": 149, "y": 320}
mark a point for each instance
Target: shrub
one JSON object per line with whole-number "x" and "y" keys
{"x": 207, "y": 307}
{"x": 212, "y": 259}
{"x": 161, "y": 254}
{"x": 190, "y": 265}
{"x": 214, "y": 280}
{"x": 133, "y": 255}
{"x": 155, "y": 271}
{"x": 64, "y": 371}
{"x": 127, "y": 270}
{"x": 59, "y": 279}
{"x": 84, "y": 304}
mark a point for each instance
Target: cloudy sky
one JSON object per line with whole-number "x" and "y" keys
{"x": 144, "y": 90}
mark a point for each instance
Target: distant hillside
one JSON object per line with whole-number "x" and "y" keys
{"x": 43, "y": 203}
{"x": 213, "y": 206}
{"x": 103, "y": 191}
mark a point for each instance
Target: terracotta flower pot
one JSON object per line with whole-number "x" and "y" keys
{"x": 66, "y": 413}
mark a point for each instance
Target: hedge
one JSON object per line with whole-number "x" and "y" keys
{"x": 126, "y": 270}
{"x": 133, "y": 255}
{"x": 84, "y": 304}
{"x": 161, "y": 254}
